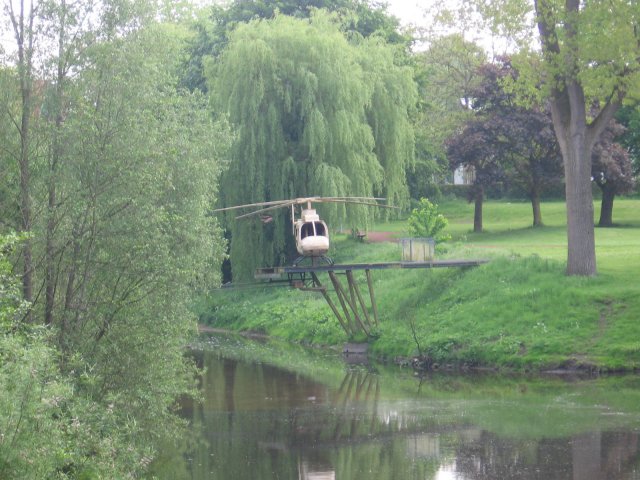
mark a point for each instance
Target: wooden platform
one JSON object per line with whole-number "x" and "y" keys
{"x": 279, "y": 272}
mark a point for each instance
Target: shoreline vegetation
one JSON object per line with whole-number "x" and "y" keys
{"x": 519, "y": 312}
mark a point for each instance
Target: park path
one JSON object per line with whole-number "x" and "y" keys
{"x": 377, "y": 237}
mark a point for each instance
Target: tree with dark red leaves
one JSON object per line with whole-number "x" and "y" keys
{"x": 475, "y": 148}
{"x": 612, "y": 170}
{"x": 506, "y": 142}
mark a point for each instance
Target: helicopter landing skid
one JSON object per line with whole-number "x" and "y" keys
{"x": 314, "y": 260}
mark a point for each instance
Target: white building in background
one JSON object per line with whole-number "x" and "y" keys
{"x": 464, "y": 175}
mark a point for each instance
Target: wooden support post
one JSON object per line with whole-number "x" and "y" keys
{"x": 338, "y": 288}
{"x": 374, "y": 307}
{"x": 350, "y": 282}
{"x": 352, "y": 303}
{"x": 344, "y": 301}
{"x": 326, "y": 296}
{"x": 354, "y": 288}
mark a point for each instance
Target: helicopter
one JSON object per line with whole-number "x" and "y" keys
{"x": 311, "y": 233}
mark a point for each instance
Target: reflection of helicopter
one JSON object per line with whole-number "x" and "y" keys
{"x": 310, "y": 232}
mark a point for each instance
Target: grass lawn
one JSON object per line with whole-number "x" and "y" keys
{"x": 529, "y": 306}
{"x": 508, "y": 230}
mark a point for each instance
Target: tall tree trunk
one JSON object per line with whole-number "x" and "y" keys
{"x": 581, "y": 259}
{"x": 535, "y": 206}
{"x": 606, "y": 207}
{"x": 49, "y": 273}
{"x": 576, "y": 138}
{"x": 54, "y": 160}
{"x": 568, "y": 110}
{"x": 22, "y": 23}
{"x": 25, "y": 196}
{"x": 477, "y": 211}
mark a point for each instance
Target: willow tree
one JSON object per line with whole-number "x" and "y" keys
{"x": 309, "y": 108}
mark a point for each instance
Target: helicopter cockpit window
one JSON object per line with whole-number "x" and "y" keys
{"x": 306, "y": 230}
{"x": 320, "y": 230}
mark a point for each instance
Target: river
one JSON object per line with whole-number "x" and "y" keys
{"x": 277, "y": 412}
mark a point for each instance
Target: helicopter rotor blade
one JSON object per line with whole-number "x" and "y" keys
{"x": 276, "y": 204}
{"x": 370, "y": 204}
{"x": 345, "y": 199}
{"x": 262, "y": 210}
{"x": 370, "y": 201}
{"x": 296, "y": 201}
{"x": 250, "y": 205}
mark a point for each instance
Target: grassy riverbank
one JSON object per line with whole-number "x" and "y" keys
{"x": 519, "y": 311}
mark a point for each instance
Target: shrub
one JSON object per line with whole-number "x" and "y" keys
{"x": 425, "y": 221}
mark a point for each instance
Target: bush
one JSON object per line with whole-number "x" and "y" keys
{"x": 425, "y": 221}
{"x": 31, "y": 392}
{"x": 52, "y": 422}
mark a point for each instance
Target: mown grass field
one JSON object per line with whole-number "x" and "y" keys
{"x": 507, "y": 229}
{"x": 519, "y": 311}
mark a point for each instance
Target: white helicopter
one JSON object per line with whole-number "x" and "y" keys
{"x": 310, "y": 232}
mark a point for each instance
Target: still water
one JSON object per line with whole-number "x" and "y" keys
{"x": 270, "y": 412}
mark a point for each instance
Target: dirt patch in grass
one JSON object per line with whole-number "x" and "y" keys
{"x": 378, "y": 237}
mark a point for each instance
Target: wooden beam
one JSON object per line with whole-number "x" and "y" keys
{"x": 359, "y": 297}
{"x": 374, "y": 307}
{"x": 344, "y": 301}
{"x": 323, "y": 290}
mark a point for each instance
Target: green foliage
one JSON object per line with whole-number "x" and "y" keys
{"x": 447, "y": 74}
{"x": 12, "y": 305}
{"x": 33, "y": 397}
{"x": 629, "y": 116}
{"x": 123, "y": 177}
{"x": 143, "y": 160}
{"x": 600, "y": 41}
{"x": 426, "y": 221}
{"x": 357, "y": 19}
{"x": 48, "y": 427}
{"x": 315, "y": 115}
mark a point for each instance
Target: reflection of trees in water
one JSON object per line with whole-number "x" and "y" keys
{"x": 260, "y": 422}
{"x": 591, "y": 456}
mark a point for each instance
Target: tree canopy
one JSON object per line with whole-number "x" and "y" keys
{"x": 356, "y": 19}
{"x": 314, "y": 114}
{"x": 522, "y": 137}
{"x": 445, "y": 73}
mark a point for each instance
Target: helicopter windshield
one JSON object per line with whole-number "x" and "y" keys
{"x": 306, "y": 230}
{"x": 311, "y": 229}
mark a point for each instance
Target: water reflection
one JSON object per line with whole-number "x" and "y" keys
{"x": 262, "y": 422}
